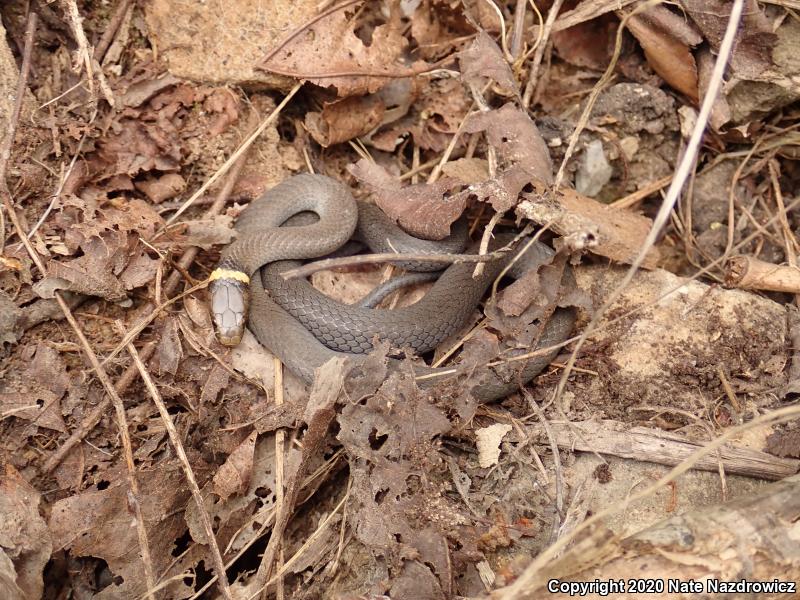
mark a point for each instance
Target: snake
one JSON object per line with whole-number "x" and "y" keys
{"x": 305, "y": 328}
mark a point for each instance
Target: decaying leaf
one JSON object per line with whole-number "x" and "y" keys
{"x": 36, "y": 396}
{"x": 346, "y": 119}
{"x": 521, "y": 150}
{"x": 233, "y": 477}
{"x": 25, "y": 542}
{"x": 113, "y": 261}
{"x": 424, "y": 210}
{"x": 329, "y": 53}
{"x": 484, "y": 60}
{"x": 98, "y": 522}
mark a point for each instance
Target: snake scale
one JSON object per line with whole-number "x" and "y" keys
{"x": 305, "y": 328}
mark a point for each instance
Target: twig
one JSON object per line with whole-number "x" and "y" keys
{"x": 369, "y": 259}
{"x": 557, "y": 466}
{"x": 111, "y": 29}
{"x": 491, "y": 156}
{"x": 388, "y": 74}
{"x": 503, "y": 41}
{"x": 751, "y": 273}
{"x": 485, "y": 237}
{"x": 235, "y": 156}
{"x": 638, "y": 195}
{"x": 205, "y": 520}
{"x": 134, "y": 495}
{"x": 279, "y": 464}
{"x": 533, "y": 75}
{"x": 518, "y": 29}
{"x": 85, "y": 53}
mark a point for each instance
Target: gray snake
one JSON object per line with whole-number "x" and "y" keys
{"x": 305, "y": 328}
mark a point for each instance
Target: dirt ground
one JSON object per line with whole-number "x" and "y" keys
{"x": 140, "y": 458}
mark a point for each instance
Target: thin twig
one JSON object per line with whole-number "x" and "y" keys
{"x": 392, "y": 257}
{"x": 533, "y": 74}
{"x": 518, "y": 29}
{"x": 111, "y": 29}
{"x": 135, "y": 495}
{"x": 85, "y": 52}
{"x": 398, "y": 73}
{"x": 279, "y": 464}
{"x": 205, "y": 520}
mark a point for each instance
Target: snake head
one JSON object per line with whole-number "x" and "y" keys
{"x": 230, "y": 302}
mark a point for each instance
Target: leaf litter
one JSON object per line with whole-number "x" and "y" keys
{"x": 388, "y": 489}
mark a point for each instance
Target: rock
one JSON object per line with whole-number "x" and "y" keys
{"x": 222, "y": 42}
{"x": 671, "y": 351}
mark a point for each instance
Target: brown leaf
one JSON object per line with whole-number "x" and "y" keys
{"x": 484, "y": 60}
{"x": 424, "y": 210}
{"x": 138, "y": 147}
{"x": 92, "y": 274}
{"x": 99, "y": 523}
{"x": 755, "y": 40}
{"x": 437, "y": 27}
{"x": 346, "y": 119}
{"x": 170, "y": 351}
{"x": 141, "y": 91}
{"x": 433, "y": 118}
{"x": 329, "y": 53}
{"x": 522, "y": 153}
{"x": 467, "y": 170}
{"x": 233, "y": 477}
{"x": 24, "y": 538}
{"x": 162, "y": 188}
{"x": 36, "y": 397}
{"x": 666, "y": 39}
{"x": 113, "y": 260}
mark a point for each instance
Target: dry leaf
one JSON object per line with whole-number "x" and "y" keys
{"x": 329, "y": 53}
{"x": 424, "y": 210}
{"x": 483, "y": 60}
{"x": 25, "y": 542}
{"x": 667, "y": 40}
{"x": 233, "y": 477}
{"x": 346, "y": 119}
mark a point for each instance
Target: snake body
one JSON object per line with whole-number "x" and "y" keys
{"x": 305, "y": 328}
